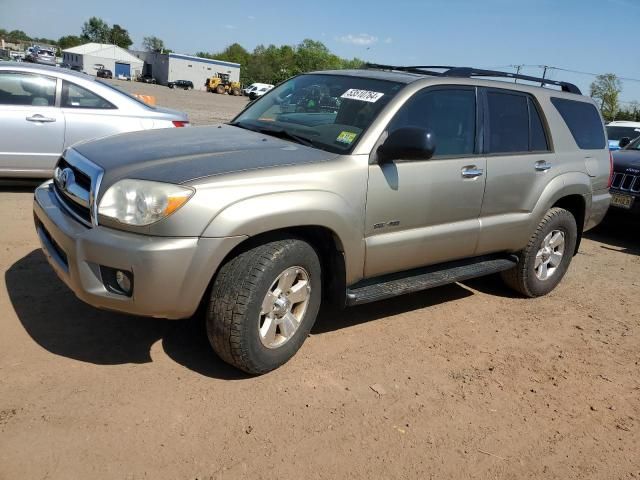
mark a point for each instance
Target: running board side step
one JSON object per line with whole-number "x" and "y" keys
{"x": 387, "y": 286}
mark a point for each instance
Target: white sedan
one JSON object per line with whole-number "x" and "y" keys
{"x": 43, "y": 110}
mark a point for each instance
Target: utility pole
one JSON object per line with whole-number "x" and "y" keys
{"x": 544, "y": 74}
{"x": 518, "y": 67}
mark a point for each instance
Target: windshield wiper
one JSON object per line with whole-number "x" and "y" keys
{"x": 278, "y": 133}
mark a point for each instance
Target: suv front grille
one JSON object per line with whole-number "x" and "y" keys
{"x": 626, "y": 182}
{"x": 75, "y": 183}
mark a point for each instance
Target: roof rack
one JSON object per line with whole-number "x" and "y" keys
{"x": 469, "y": 72}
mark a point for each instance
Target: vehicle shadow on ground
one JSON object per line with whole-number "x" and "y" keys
{"x": 331, "y": 319}
{"x": 61, "y": 324}
{"x": 619, "y": 232}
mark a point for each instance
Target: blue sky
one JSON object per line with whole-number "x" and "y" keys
{"x": 596, "y": 36}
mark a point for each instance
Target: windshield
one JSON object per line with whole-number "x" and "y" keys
{"x": 330, "y": 112}
{"x": 635, "y": 145}
{"x": 616, "y": 133}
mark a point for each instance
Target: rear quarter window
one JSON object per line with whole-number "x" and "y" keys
{"x": 584, "y": 122}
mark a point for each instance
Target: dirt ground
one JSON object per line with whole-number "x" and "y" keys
{"x": 464, "y": 381}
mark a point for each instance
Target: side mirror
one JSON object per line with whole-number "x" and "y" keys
{"x": 407, "y": 143}
{"x": 624, "y": 141}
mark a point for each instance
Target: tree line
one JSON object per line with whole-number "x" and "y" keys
{"x": 273, "y": 64}
{"x": 93, "y": 30}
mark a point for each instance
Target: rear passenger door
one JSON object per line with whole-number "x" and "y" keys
{"x": 519, "y": 164}
{"x": 89, "y": 116}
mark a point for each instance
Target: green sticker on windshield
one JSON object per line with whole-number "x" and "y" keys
{"x": 346, "y": 137}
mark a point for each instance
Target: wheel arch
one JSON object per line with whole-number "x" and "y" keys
{"x": 575, "y": 204}
{"x": 325, "y": 242}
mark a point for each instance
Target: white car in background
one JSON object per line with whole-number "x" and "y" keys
{"x": 622, "y": 130}
{"x": 43, "y": 110}
{"x": 254, "y": 87}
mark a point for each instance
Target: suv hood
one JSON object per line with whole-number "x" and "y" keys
{"x": 179, "y": 155}
{"x": 625, "y": 160}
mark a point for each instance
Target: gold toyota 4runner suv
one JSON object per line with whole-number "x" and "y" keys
{"x": 345, "y": 186}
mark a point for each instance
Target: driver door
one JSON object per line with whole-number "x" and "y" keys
{"x": 422, "y": 212}
{"x": 32, "y": 128}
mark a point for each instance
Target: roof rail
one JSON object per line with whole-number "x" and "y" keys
{"x": 469, "y": 72}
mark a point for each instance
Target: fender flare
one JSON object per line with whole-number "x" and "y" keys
{"x": 294, "y": 209}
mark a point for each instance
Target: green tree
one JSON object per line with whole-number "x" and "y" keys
{"x": 606, "y": 89}
{"x": 273, "y": 64}
{"x": 96, "y": 30}
{"x": 120, "y": 36}
{"x": 18, "y": 36}
{"x": 153, "y": 44}
{"x": 69, "y": 41}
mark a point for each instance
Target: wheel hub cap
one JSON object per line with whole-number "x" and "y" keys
{"x": 550, "y": 255}
{"x": 284, "y": 307}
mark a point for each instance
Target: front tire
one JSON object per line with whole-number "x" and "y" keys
{"x": 263, "y": 304}
{"x": 547, "y": 256}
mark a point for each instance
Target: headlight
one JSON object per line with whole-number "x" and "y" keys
{"x": 140, "y": 202}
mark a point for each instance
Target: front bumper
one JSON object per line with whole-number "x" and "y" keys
{"x": 170, "y": 274}
{"x": 635, "y": 206}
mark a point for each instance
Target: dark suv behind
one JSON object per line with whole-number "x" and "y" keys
{"x": 104, "y": 73}
{"x": 625, "y": 185}
{"x": 184, "y": 84}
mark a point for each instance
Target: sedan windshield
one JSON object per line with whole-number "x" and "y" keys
{"x": 616, "y": 133}
{"x": 327, "y": 111}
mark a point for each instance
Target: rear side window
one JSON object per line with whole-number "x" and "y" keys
{"x": 508, "y": 123}
{"x": 75, "y": 96}
{"x": 583, "y": 121}
{"x": 538, "y": 139}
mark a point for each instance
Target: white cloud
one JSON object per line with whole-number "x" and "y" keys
{"x": 361, "y": 39}
{"x": 251, "y": 17}
{"x": 230, "y": 27}
{"x": 388, "y": 40}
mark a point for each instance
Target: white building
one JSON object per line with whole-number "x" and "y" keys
{"x": 90, "y": 57}
{"x": 169, "y": 67}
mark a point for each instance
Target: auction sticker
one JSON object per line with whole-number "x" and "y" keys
{"x": 362, "y": 95}
{"x": 346, "y": 137}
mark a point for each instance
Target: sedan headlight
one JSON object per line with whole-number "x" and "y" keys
{"x": 140, "y": 202}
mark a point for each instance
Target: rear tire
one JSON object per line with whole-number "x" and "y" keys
{"x": 547, "y": 256}
{"x": 263, "y": 304}
{"x": 220, "y": 89}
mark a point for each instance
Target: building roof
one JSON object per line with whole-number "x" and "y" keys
{"x": 104, "y": 50}
{"x": 204, "y": 60}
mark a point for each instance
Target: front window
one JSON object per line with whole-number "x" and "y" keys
{"x": 27, "y": 89}
{"x": 330, "y": 112}
{"x": 617, "y": 133}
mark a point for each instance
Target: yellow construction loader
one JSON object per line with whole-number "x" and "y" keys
{"x": 220, "y": 84}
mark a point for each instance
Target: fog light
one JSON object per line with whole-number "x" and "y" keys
{"x": 123, "y": 281}
{"x": 117, "y": 281}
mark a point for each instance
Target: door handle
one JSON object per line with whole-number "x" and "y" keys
{"x": 40, "y": 118}
{"x": 472, "y": 172}
{"x": 543, "y": 166}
